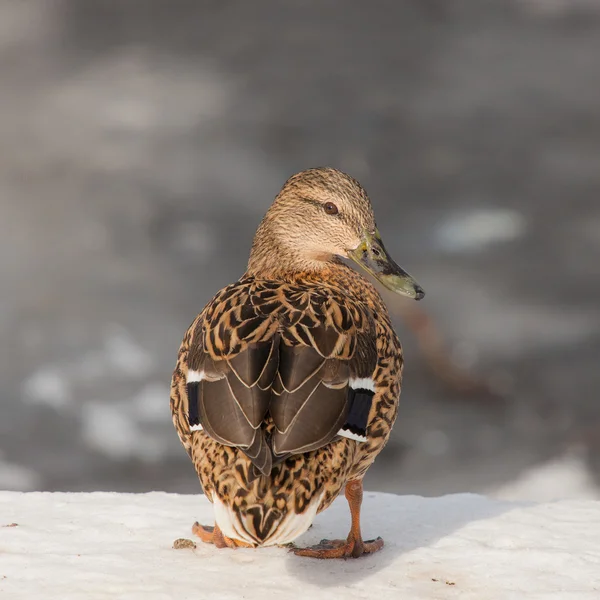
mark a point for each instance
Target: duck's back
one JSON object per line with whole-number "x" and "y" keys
{"x": 282, "y": 392}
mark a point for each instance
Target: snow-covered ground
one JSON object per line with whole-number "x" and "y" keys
{"x": 120, "y": 546}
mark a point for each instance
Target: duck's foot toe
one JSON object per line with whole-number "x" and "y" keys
{"x": 213, "y": 535}
{"x": 204, "y": 532}
{"x": 349, "y": 548}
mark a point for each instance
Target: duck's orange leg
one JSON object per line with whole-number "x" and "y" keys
{"x": 353, "y": 546}
{"x": 213, "y": 535}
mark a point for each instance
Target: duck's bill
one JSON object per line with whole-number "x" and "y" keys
{"x": 372, "y": 256}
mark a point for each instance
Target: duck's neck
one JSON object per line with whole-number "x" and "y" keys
{"x": 280, "y": 259}
{"x": 277, "y": 256}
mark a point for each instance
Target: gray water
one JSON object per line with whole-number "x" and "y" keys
{"x": 142, "y": 141}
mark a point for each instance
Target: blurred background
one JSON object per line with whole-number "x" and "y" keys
{"x": 142, "y": 141}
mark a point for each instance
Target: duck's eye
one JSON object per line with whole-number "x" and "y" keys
{"x": 330, "y": 208}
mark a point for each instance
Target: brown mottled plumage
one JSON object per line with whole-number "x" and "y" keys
{"x": 287, "y": 383}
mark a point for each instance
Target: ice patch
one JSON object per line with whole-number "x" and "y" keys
{"x": 125, "y": 355}
{"x": 151, "y": 405}
{"x": 478, "y": 229}
{"x": 564, "y": 478}
{"x": 47, "y": 386}
{"x": 120, "y": 356}
{"x": 15, "y": 477}
{"x": 110, "y": 429}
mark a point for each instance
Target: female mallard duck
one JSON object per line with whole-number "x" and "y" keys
{"x": 287, "y": 383}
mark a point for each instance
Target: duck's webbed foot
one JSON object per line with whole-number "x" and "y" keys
{"x": 349, "y": 548}
{"x": 353, "y": 546}
{"x": 213, "y": 535}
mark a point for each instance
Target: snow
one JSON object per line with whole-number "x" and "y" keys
{"x": 120, "y": 546}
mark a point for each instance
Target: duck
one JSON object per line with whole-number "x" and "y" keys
{"x": 287, "y": 384}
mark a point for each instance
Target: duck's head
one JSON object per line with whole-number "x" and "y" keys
{"x": 320, "y": 215}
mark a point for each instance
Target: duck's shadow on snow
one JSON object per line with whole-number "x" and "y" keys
{"x": 404, "y": 522}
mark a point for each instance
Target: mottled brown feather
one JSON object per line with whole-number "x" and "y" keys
{"x": 238, "y": 401}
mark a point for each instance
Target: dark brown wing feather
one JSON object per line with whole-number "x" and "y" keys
{"x": 278, "y": 357}
{"x": 310, "y": 400}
